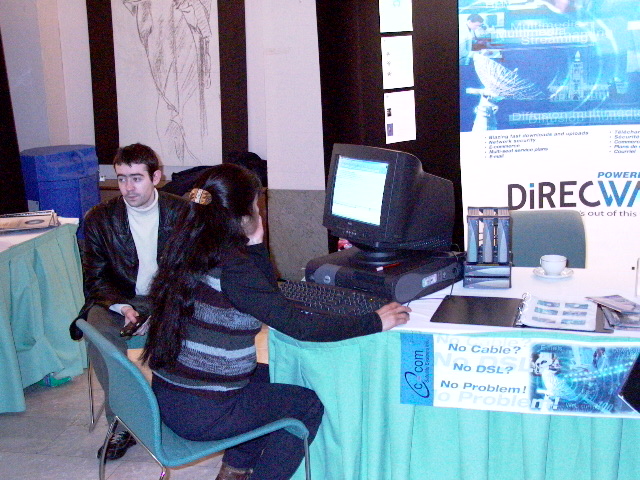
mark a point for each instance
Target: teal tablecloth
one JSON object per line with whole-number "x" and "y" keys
{"x": 367, "y": 434}
{"x": 40, "y": 293}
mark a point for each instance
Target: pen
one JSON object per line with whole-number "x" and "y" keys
{"x": 385, "y": 267}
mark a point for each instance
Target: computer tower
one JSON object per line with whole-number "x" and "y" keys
{"x": 420, "y": 274}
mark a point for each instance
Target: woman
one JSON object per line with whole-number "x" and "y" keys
{"x": 215, "y": 285}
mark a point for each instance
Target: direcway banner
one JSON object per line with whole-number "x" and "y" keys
{"x": 550, "y": 114}
{"x": 512, "y": 374}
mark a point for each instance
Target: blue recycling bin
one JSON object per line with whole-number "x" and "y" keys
{"x": 63, "y": 178}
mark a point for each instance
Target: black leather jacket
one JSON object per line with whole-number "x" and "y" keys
{"x": 110, "y": 261}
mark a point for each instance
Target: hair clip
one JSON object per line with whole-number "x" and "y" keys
{"x": 200, "y": 196}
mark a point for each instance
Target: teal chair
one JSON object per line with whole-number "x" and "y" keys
{"x": 547, "y": 232}
{"x": 135, "y": 341}
{"x": 134, "y": 404}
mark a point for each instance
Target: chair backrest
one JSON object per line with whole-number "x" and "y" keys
{"x": 130, "y": 396}
{"x": 542, "y": 232}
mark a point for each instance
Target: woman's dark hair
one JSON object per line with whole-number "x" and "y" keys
{"x": 202, "y": 237}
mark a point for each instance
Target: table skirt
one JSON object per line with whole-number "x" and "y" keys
{"x": 368, "y": 434}
{"x": 40, "y": 293}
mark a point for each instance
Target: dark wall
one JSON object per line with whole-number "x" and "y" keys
{"x": 12, "y": 196}
{"x": 103, "y": 79}
{"x": 351, "y": 82}
{"x": 233, "y": 77}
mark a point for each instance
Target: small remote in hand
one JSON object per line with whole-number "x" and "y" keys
{"x": 130, "y": 328}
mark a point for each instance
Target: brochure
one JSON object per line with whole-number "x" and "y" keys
{"x": 575, "y": 314}
{"x": 16, "y": 222}
{"x": 617, "y": 303}
{"x": 621, "y": 321}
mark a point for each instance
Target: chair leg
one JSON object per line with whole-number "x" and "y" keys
{"x": 141, "y": 443}
{"x": 164, "y": 472}
{"x": 103, "y": 456}
{"x": 307, "y": 464}
{"x": 93, "y": 415}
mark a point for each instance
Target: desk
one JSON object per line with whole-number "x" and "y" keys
{"x": 367, "y": 434}
{"x": 40, "y": 294}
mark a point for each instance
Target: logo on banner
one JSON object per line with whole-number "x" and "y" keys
{"x": 611, "y": 190}
{"x": 417, "y": 369}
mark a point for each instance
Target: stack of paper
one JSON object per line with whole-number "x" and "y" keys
{"x": 619, "y": 312}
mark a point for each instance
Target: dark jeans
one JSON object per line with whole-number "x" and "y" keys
{"x": 273, "y": 456}
{"x": 109, "y": 324}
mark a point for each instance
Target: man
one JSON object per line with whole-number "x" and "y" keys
{"x": 471, "y": 38}
{"x": 124, "y": 238}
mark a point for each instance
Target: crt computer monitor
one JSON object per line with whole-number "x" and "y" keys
{"x": 383, "y": 202}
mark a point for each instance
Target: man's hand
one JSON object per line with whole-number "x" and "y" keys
{"x": 131, "y": 317}
{"x": 392, "y": 315}
{"x": 130, "y": 314}
{"x": 142, "y": 330}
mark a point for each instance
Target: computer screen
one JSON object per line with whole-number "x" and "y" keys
{"x": 359, "y": 188}
{"x": 383, "y": 202}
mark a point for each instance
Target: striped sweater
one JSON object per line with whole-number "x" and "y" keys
{"x": 218, "y": 353}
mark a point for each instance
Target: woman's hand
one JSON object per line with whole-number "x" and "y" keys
{"x": 252, "y": 225}
{"x": 253, "y": 229}
{"x": 392, "y": 315}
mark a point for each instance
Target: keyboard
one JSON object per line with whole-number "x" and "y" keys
{"x": 331, "y": 300}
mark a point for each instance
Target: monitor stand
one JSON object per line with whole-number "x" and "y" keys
{"x": 415, "y": 276}
{"x": 368, "y": 258}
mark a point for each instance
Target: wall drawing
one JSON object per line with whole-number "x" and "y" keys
{"x": 168, "y": 86}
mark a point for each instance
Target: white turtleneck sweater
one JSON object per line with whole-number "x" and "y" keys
{"x": 144, "y": 223}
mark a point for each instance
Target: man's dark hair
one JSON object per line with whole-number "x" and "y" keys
{"x": 475, "y": 18}
{"x": 137, "y": 154}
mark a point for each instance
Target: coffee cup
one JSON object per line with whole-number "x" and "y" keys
{"x": 553, "y": 264}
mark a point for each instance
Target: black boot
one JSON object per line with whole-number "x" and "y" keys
{"x": 118, "y": 445}
{"x": 228, "y": 472}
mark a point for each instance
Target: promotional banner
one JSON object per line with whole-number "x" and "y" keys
{"x": 524, "y": 375}
{"x": 550, "y": 114}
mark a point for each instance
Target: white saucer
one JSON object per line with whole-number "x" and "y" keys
{"x": 539, "y": 272}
